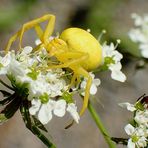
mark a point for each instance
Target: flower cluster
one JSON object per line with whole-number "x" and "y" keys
{"x": 45, "y": 88}
{"x": 139, "y": 34}
{"x": 138, "y": 128}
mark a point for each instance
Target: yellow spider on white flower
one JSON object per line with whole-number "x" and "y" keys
{"x": 75, "y": 48}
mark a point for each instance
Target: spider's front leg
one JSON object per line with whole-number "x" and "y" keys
{"x": 43, "y": 36}
{"x": 75, "y": 63}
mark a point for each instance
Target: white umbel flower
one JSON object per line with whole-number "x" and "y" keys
{"x": 137, "y": 136}
{"x": 114, "y": 65}
{"x": 139, "y": 34}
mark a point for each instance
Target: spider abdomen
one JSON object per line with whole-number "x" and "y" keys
{"x": 82, "y": 41}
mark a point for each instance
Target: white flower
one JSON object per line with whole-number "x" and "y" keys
{"x": 116, "y": 72}
{"x": 72, "y": 109}
{"x": 141, "y": 117}
{"x": 129, "y": 106}
{"x": 139, "y": 34}
{"x": 137, "y": 136}
{"x": 44, "y": 111}
{"x": 93, "y": 88}
{"x": 56, "y": 89}
{"x": 114, "y": 57}
{"x": 137, "y": 18}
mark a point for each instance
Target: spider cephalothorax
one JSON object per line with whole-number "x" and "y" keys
{"x": 75, "y": 48}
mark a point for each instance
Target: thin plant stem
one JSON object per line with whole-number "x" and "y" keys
{"x": 100, "y": 125}
{"x": 26, "y": 117}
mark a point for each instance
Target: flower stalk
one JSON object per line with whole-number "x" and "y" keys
{"x": 33, "y": 128}
{"x": 100, "y": 125}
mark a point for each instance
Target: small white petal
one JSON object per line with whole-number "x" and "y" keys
{"x": 6, "y": 59}
{"x": 129, "y": 106}
{"x": 130, "y": 144}
{"x": 37, "y": 42}
{"x": 35, "y": 106}
{"x": 144, "y": 53}
{"x": 142, "y": 142}
{"x": 96, "y": 82}
{"x": 45, "y": 114}
{"x": 129, "y": 129}
{"x": 27, "y": 50}
{"x": 138, "y": 19}
{"x": 118, "y": 75}
{"x": 60, "y": 108}
{"x": 137, "y": 36}
{"x": 141, "y": 117}
{"x": 93, "y": 89}
{"x": 115, "y": 67}
{"x": 72, "y": 109}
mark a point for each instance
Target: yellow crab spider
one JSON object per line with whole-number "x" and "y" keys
{"x": 75, "y": 48}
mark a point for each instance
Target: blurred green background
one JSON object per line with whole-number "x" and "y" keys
{"x": 112, "y": 15}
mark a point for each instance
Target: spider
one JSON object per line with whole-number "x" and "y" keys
{"x": 75, "y": 48}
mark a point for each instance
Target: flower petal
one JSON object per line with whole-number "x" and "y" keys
{"x": 118, "y": 75}
{"x": 130, "y": 144}
{"x": 93, "y": 89}
{"x": 35, "y": 106}
{"x": 45, "y": 114}
{"x": 72, "y": 109}
{"x": 60, "y": 108}
{"x": 129, "y": 129}
{"x": 129, "y": 106}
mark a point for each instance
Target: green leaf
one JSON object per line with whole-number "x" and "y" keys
{"x": 120, "y": 140}
{"x": 3, "y": 118}
{"x": 7, "y": 100}
{"x": 11, "y": 108}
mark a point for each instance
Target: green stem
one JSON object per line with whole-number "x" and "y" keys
{"x": 26, "y": 117}
{"x": 100, "y": 125}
